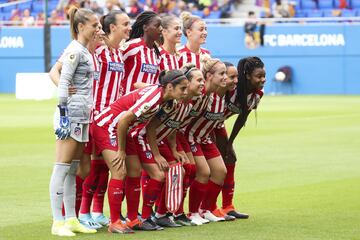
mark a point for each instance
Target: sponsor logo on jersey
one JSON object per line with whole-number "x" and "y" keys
{"x": 149, "y": 68}
{"x": 234, "y": 108}
{"x": 172, "y": 123}
{"x": 116, "y": 67}
{"x": 213, "y": 116}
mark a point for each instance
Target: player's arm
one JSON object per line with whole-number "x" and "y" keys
{"x": 138, "y": 85}
{"x": 238, "y": 125}
{"x": 151, "y": 137}
{"x": 54, "y": 74}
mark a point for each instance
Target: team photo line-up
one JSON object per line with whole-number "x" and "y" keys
{"x": 134, "y": 104}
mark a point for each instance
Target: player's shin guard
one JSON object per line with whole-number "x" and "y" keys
{"x": 78, "y": 197}
{"x": 132, "y": 192}
{"x": 115, "y": 196}
{"x": 151, "y": 193}
{"x": 212, "y": 192}
{"x": 99, "y": 195}
{"x": 89, "y": 187}
{"x": 228, "y": 187}
{"x": 161, "y": 208}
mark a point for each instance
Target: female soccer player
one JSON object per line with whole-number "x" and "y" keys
{"x": 74, "y": 119}
{"x": 141, "y": 55}
{"x": 195, "y": 31}
{"x": 132, "y": 111}
{"x": 164, "y": 127}
{"x": 249, "y": 78}
{"x": 116, "y": 26}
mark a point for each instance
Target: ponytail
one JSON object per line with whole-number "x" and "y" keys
{"x": 77, "y": 16}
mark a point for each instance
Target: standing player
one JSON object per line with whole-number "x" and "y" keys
{"x": 195, "y": 31}
{"x": 74, "y": 119}
{"x": 116, "y": 26}
{"x": 141, "y": 55}
{"x": 133, "y": 111}
{"x": 249, "y": 78}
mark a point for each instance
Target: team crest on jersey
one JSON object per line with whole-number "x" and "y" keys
{"x": 193, "y": 148}
{"x": 148, "y": 154}
{"x": 77, "y": 131}
{"x": 145, "y": 107}
{"x": 116, "y": 67}
{"x": 96, "y": 76}
{"x": 113, "y": 142}
{"x": 149, "y": 68}
{"x": 72, "y": 57}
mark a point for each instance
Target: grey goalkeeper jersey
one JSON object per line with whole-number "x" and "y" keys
{"x": 77, "y": 70}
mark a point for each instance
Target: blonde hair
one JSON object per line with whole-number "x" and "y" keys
{"x": 188, "y": 20}
{"x": 76, "y": 16}
{"x": 208, "y": 65}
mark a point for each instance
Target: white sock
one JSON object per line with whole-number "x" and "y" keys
{"x": 56, "y": 189}
{"x": 70, "y": 190}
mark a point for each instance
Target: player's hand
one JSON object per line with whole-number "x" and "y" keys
{"x": 162, "y": 163}
{"x": 179, "y": 157}
{"x": 63, "y": 131}
{"x": 118, "y": 161}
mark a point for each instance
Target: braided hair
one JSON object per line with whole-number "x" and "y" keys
{"x": 246, "y": 66}
{"x": 137, "y": 30}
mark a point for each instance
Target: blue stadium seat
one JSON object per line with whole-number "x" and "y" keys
{"x": 5, "y": 16}
{"x": 197, "y": 13}
{"x": 23, "y": 6}
{"x": 314, "y": 13}
{"x": 214, "y": 15}
{"x": 348, "y": 13}
{"x": 308, "y": 4}
{"x": 300, "y": 14}
{"x": 37, "y": 6}
{"x": 298, "y": 4}
{"x": 331, "y": 12}
{"x": 325, "y": 4}
{"x": 355, "y": 3}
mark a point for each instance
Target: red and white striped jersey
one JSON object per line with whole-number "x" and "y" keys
{"x": 143, "y": 102}
{"x": 233, "y": 107}
{"x": 186, "y": 56}
{"x": 141, "y": 64}
{"x": 168, "y": 61}
{"x": 107, "y": 87}
{"x": 171, "y": 121}
{"x": 199, "y": 128}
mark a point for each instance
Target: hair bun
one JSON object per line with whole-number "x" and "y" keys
{"x": 185, "y": 16}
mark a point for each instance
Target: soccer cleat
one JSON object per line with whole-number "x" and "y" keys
{"x": 183, "y": 220}
{"x": 146, "y": 225}
{"x": 166, "y": 221}
{"x": 219, "y": 213}
{"x": 101, "y": 219}
{"x": 74, "y": 225}
{"x": 211, "y": 217}
{"x": 196, "y": 219}
{"x": 88, "y": 221}
{"x": 230, "y": 210}
{"x": 119, "y": 227}
{"x": 58, "y": 228}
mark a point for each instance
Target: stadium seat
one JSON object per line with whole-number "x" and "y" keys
{"x": 325, "y": 4}
{"x": 197, "y": 13}
{"x": 23, "y": 6}
{"x": 37, "y": 6}
{"x": 214, "y": 15}
{"x": 9, "y": 8}
{"x": 300, "y": 14}
{"x": 337, "y": 3}
{"x": 308, "y": 4}
{"x": 348, "y": 13}
{"x": 355, "y": 3}
{"x": 314, "y": 13}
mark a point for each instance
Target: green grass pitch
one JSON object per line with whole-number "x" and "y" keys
{"x": 298, "y": 172}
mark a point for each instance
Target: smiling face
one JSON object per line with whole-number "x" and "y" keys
{"x": 153, "y": 29}
{"x": 179, "y": 91}
{"x": 172, "y": 33}
{"x": 122, "y": 27}
{"x": 231, "y": 77}
{"x": 218, "y": 75}
{"x": 197, "y": 33}
{"x": 90, "y": 28}
{"x": 257, "y": 78}
{"x": 197, "y": 83}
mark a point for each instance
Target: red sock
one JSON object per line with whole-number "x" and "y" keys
{"x": 151, "y": 193}
{"x": 192, "y": 173}
{"x": 63, "y": 210}
{"x": 186, "y": 185}
{"x": 99, "y": 195}
{"x": 161, "y": 209}
{"x": 196, "y": 195}
{"x": 211, "y": 195}
{"x": 144, "y": 180}
{"x": 79, "y": 189}
{"x": 228, "y": 187}
{"x": 115, "y": 195}
{"x": 89, "y": 186}
{"x": 132, "y": 192}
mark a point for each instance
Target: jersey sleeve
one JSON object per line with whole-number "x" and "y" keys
{"x": 147, "y": 102}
